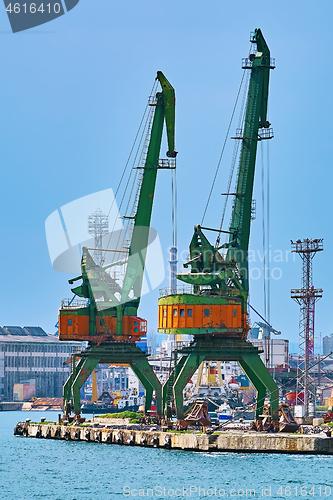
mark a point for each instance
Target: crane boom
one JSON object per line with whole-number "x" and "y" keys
{"x": 165, "y": 111}
{"x": 255, "y": 119}
{"x": 208, "y": 267}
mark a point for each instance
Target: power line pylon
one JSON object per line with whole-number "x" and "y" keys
{"x": 306, "y": 297}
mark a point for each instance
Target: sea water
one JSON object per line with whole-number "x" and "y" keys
{"x": 64, "y": 470}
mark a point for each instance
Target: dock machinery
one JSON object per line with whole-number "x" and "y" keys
{"x": 215, "y": 309}
{"x": 109, "y": 321}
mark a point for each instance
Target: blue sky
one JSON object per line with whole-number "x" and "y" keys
{"x": 73, "y": 93}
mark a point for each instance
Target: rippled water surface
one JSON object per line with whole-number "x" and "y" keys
{"x": 61, "y": 470}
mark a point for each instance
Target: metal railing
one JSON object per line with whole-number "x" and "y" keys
{"x": 263, "y": 133}
{"x": 167, "y": 163}
{"x": 239, "y": 133}
{"x": 73, "y": 304}
{"x": 179, "y": 344}
{"x": 247, "y": 63}
{"x": 266, "y": 133}
{"x": 176, "y": 290}
{"x": 152, "y": 101}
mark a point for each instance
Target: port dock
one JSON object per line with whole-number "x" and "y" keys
{"x": 10, "y": 406}
{"x": 227, "y": 441}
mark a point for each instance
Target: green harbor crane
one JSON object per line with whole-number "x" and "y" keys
{"x": 215, "y": 310}
{"x": 109, "y": 322}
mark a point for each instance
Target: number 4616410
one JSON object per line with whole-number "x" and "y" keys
{"x": 32, "y": 8}
{"x": 303, "y": 491}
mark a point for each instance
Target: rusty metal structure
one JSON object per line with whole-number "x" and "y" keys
{"x": 306, "y": 297}
{"x": 286, "y": 423}
{"x": 198, "y": 415}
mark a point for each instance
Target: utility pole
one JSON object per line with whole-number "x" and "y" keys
{"x": 319, "y": 366}
{"x": 306, "y": 297}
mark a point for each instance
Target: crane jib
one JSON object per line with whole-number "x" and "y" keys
{"x": 255, "y": 119}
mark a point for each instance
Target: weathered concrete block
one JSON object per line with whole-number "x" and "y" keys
{"x": 186, "y": 441}
{"x": 324, "y": 445}
{"x": 266, "y": 442}
{"x": 112, "y": 421}
{"x": 203, "y": 442}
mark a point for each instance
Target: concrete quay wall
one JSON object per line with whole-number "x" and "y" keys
{"x": 10, "y": 406}
{"x": 235, "y": 441}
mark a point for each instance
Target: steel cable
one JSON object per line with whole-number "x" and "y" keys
{"x": 223, "y": 148}
{"x": 126, "y": 166}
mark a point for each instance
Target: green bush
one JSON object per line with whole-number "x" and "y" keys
{"x": 43, "y": 423}
{"x": 123, "y": 414}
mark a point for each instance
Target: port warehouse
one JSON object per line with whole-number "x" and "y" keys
{"x": 29, "y": 355}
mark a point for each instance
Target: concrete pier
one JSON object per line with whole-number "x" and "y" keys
{"x": 231, "y": 441}
{"x": 10, "y": 406}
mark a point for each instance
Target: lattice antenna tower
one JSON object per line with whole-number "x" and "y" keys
{"x": 98, "y": 226}
{"x": 306, "y": 297}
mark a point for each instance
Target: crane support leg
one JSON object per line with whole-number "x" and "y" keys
{"x": 225, "y": 349}
{"x": 67, "y": 389}
{"x": 150, "y": 382}
{"x": 146, "y": 384}
{"x": 88, "y": 365}
{"x": 166, "y": 394}
{"x": 259, "y": 369}
{"x": 113, "y": 353}
{"x": 257, "y": 384}
{"x": 168, "y": 385}
{"x": 185, "y": 373}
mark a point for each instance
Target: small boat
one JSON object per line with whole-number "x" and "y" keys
{"x": 224, "y": 412}
{"x": 127, "y": 403}
{"x": 233, "y": 384}
{"x": 293, "y": 398}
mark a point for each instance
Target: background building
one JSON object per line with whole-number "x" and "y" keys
{"x": 278, "y": 351}
{"x": 328, "y": 344}
{"x": 275, "y": 349}
{"x": 31, "y": 357}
